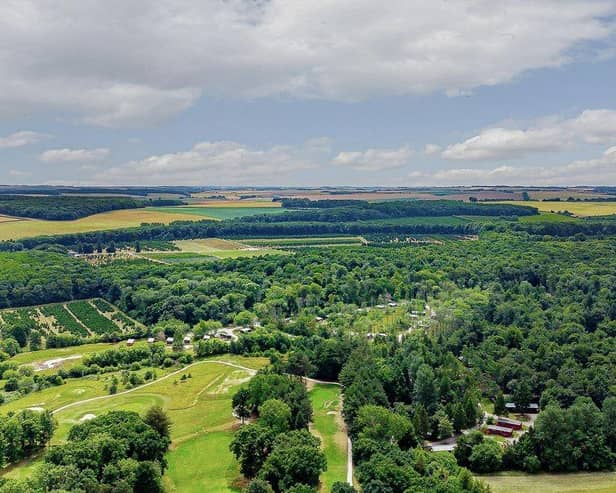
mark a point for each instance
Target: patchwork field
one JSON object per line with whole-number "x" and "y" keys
{"x": 598, "y": 482}
{"x": 329, "y": 427}
{"x": 582, "y": 209}
{"x": 109, "y": 220}
{"x": 83, "y": 318}
{"x": 215, "y": 247}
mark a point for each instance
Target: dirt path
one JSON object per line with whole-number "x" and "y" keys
{"x": 252, "y": 371}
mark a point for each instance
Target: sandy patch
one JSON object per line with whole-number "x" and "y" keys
{"x": 37, "y": 409}
{"x": 87, "y": 417}
{"x": 53, "y": 363}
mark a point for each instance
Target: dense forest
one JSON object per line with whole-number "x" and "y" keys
{"x": 525, "y": 313}
{"x": 63, "y": 208}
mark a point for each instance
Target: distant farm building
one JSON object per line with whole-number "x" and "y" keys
{"x": 509, "y": 423}
{"x": 532, "y": 408}
{"x": 499, "y": 430}
{"x": 187, "y": 340}
{"x": 169, "y": 340}
{"x": 150, "y": 340}
{"x": 130, "y": 342}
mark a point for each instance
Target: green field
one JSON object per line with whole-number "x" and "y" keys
{"x": 329, "y": 427}
{"x": 199, "y": 407}
{"x": 213, "y": 212}
{"x": 548, "y": 217}
{"x": 303, "y": 242}
{"x": 597, "y": 482}
{"x": 215, "y": 247}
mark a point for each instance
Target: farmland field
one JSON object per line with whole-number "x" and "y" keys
{"x": 218, "y": 212}
{"x": 597, "y": 482}
{"x": 107, "y": 220}
{"x": 309, "y": 241}
{"x": 77, "y": 317}
{"x": 223, "y": 248}
{"x": 581, "y": 209}
{"x": 329, "y": 427}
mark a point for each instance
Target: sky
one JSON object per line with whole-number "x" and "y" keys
{"x": 308, "y": 92}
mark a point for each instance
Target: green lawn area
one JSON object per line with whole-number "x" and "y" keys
{"x": 49, "y": 354}
{"x": 203, "y": 464}
{"x": 199, "y": 408}
{"x": 222, "y": 249}
{"x": 548, "y": 217}
{"x": 328, "y": 426}
{"x": 598, "y": 482}
{"x": 218, "y": 212}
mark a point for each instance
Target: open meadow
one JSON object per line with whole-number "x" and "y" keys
{"x": 329, "y": 426}
{"x": 596, "y": 482}
{"x": 24, "y": 228}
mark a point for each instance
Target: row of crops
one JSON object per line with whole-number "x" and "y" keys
{"x": 81, "y": 318}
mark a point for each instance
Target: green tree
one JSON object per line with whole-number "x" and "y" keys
{"x": 276, "y": 415}
{"x": 259, "y": 486}
{"x": 486, "y": 457}
{"x": 424, "y": 389}
{"x": 241, "y": 404}
{"x": 158, "y": 419}
{"x": 499, "y": 404}
{"x": 251, "y": 445}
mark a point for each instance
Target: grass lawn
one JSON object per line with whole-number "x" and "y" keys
{"x": 107, "y": 220}
{"x": 578, "y": 208}
{"x": 32, "y": 357}
{"x": 328, "y": 426}
{"x": 199, "y": 408}
{"x": 202, "y": 464}
{"x": 598, "y": 482}
{"x": 217, "y": 212}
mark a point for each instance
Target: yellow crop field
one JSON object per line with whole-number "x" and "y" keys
{"x": 581, "y": 209}
{"x": 24, "y": 228}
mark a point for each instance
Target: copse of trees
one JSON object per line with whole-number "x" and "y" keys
{"x": 117, "y": 451}
{"x": 62, "y": 208}
{"x": 277, "y": 452}
{"x": 23, "y": 434}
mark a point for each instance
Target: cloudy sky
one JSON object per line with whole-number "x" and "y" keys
{"x": 308, "y": 92}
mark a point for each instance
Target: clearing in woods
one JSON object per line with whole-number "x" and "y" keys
{"x": 596, "y": 482}
{"x": 328, "y": 425}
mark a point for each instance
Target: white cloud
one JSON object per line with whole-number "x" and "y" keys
{"x": 223, "y": 162}
{"x": 590, "y": 126}
{"x": 74, "y": 155}
{"x": 21, "y": 138}
{"x": 374, "y": 159}
{"x": 430, "y": 149}
{"x": 139, "y": 62}
{"x": 16, "y": 173}
{"x": 598, "y": 171}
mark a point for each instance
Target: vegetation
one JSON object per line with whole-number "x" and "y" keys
{"x": 62, "y": 207}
